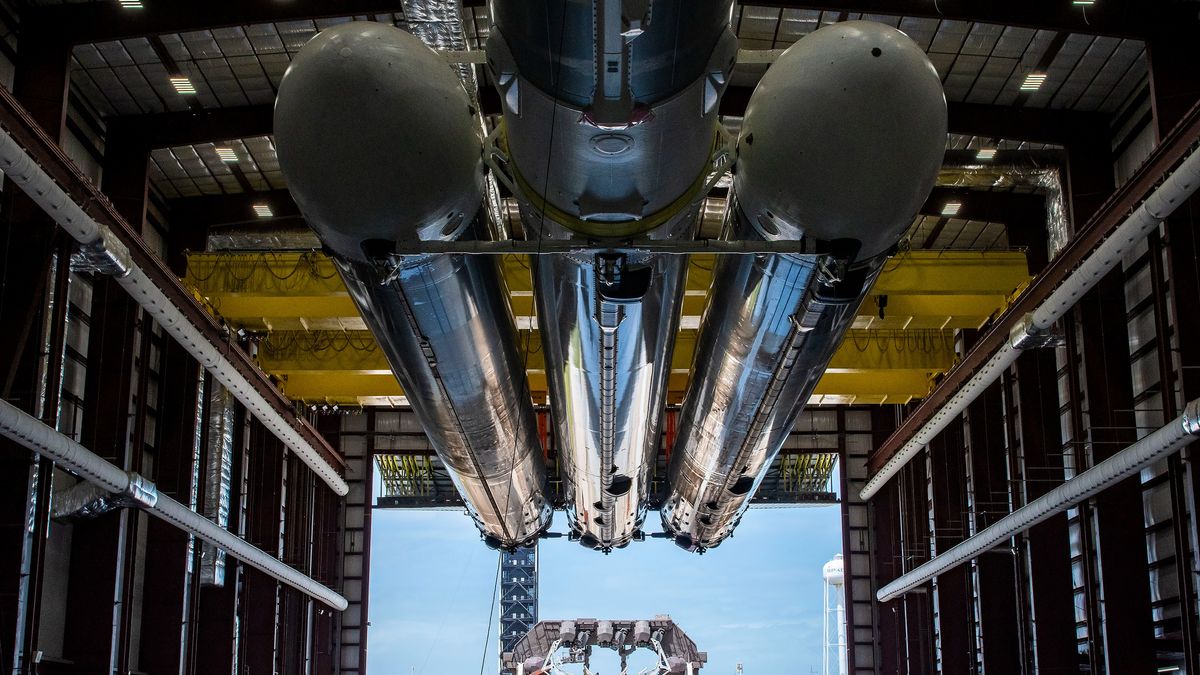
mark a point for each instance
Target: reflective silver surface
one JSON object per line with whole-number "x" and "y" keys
{"x": 445, "y": 325}
{"x": 609, "y": 137}
{"x": 607, "y": 364}
{"x": 771, "y": 327}
{"x": 840, "y": 145}
{"x": 378, "y": 142}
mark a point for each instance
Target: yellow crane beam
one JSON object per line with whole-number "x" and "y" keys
{"x": 318, "y": 348}
{"x": 302, "y": 291}
{"x": 349, "y": 368}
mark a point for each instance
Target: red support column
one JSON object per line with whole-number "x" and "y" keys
{"x": 954, "y": 592}
{"x": 1128, "y": 630}
{"x": 1047, "y": 545}
{"x": 259, "y": 639}
{"x": 166, "y": 586}
{"x": 1000, "y": 626}
{"x": 29, "y": 247}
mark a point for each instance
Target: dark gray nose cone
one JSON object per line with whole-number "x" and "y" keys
{"x": 843, "y": 138}
{"x": 376, "y": 138}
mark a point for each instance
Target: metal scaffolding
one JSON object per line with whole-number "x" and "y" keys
{"x": 518, "y": 595}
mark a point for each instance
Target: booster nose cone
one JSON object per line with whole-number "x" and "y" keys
{"x": 376, "y": 138}
{"x": 843, "y": 138}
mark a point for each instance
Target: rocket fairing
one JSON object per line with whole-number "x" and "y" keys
{"x": 376, "y": 137}
{"x": 610, "y": 133}
{"x": 841, "y": 142}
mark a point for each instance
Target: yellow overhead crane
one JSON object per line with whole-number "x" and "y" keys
{"x": 319, "y": 350}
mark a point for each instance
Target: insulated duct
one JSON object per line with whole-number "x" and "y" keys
{"x": 27, "y": 430}
{"x": 1035, "y": 327}
{"x": 100, "y": 246}
{"x": 1157, "y": 446}
{"x": 218, "y": 477}
{"x": 86, "y": 500}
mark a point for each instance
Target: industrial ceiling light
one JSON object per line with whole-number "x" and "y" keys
{"x": 131, "y": 4}
{"x": 1033, "y": 82}
{"x": 183, "y": 85}
{"x": 227, "y": 155}
{"x": 1085, "y": 3}
{"x": 951, "y": 208}
{"x": 263, "y": 210}
{"x": 986, "y": 154}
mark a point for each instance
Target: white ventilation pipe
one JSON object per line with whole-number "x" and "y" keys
{"x": 1160, "y": 444}
{"x": 1161, "y": 203}
{"x": 102, "y": 247}
{"x": 23, "y": 428}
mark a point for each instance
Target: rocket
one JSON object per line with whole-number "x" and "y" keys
{"x": 610, "y": 137}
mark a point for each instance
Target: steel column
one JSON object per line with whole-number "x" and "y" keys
{"x": 997, "y": 592}
{"x": 165, "y": 607}
{"x": 27, "y": 256}
{"x": 918, "y": 645}
{"x": 259, "y": 639}
{"x": 953, "y": 590}
{"x": 1047, "y": 545}
{"x": 885, "y": 553}
{"x": 1124, "y": 576}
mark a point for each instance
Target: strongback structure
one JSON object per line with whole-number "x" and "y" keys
{"x": 518, "y": 595}
{"x": 198, "y": 422}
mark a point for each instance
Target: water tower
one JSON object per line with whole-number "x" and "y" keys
{"x": 834, "y": 637}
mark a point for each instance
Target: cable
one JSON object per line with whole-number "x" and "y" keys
{"x": 487, "y": 638}
{"x": 527, "y": 348}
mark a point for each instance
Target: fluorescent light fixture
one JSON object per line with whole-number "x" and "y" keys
{"x": 951, "y": 208}
{"x": 1089, "y": 3}
{"x": 1033, "y": 82}
{"x": 131, "y": 4}
{"x": 263, "y": 210}
{"x": 227, "y": 155}
{"x": 986, "y": 154}
{"x": 1168, "y": 669}
{"x": 183, "y": 85}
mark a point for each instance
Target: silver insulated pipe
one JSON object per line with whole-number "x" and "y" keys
{"x": 841, "y": 143}
{"x": 376, "y": 136}
{"x": 610, "y": 122}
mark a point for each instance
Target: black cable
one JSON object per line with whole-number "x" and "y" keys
{"x": 527, "y": 348}
{"x": 487, "y": 639}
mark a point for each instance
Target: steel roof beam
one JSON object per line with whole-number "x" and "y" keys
{"x": 169, "y": 129}
{"x": 84, "y": 23}
{"x": 1123, "y": 19}
{"x": 1038, "y": 125}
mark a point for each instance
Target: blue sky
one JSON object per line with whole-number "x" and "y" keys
{"x": 756, "y": 599}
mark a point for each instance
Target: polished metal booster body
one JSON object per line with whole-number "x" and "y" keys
{"x": 445, "y": 325}
{"x": 772, "y": 326}
{"x": 840, "y": 145}
{"x": 377, "y": 138}
{"x": 609, "y": 139}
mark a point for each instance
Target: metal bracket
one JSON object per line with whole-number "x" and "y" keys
{"x": 555, "y": 246}
{"x": 1026, "y": 335}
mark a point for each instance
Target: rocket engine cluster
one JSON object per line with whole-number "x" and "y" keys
{"x": 610, "y": 137}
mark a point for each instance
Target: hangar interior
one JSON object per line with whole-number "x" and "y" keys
{"x": 217, "y": 422}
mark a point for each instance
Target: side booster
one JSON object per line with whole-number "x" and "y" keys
{"x": 610, "y": 123}
{"x": 376, "y": 137}
{"x": 840, "y": 146}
